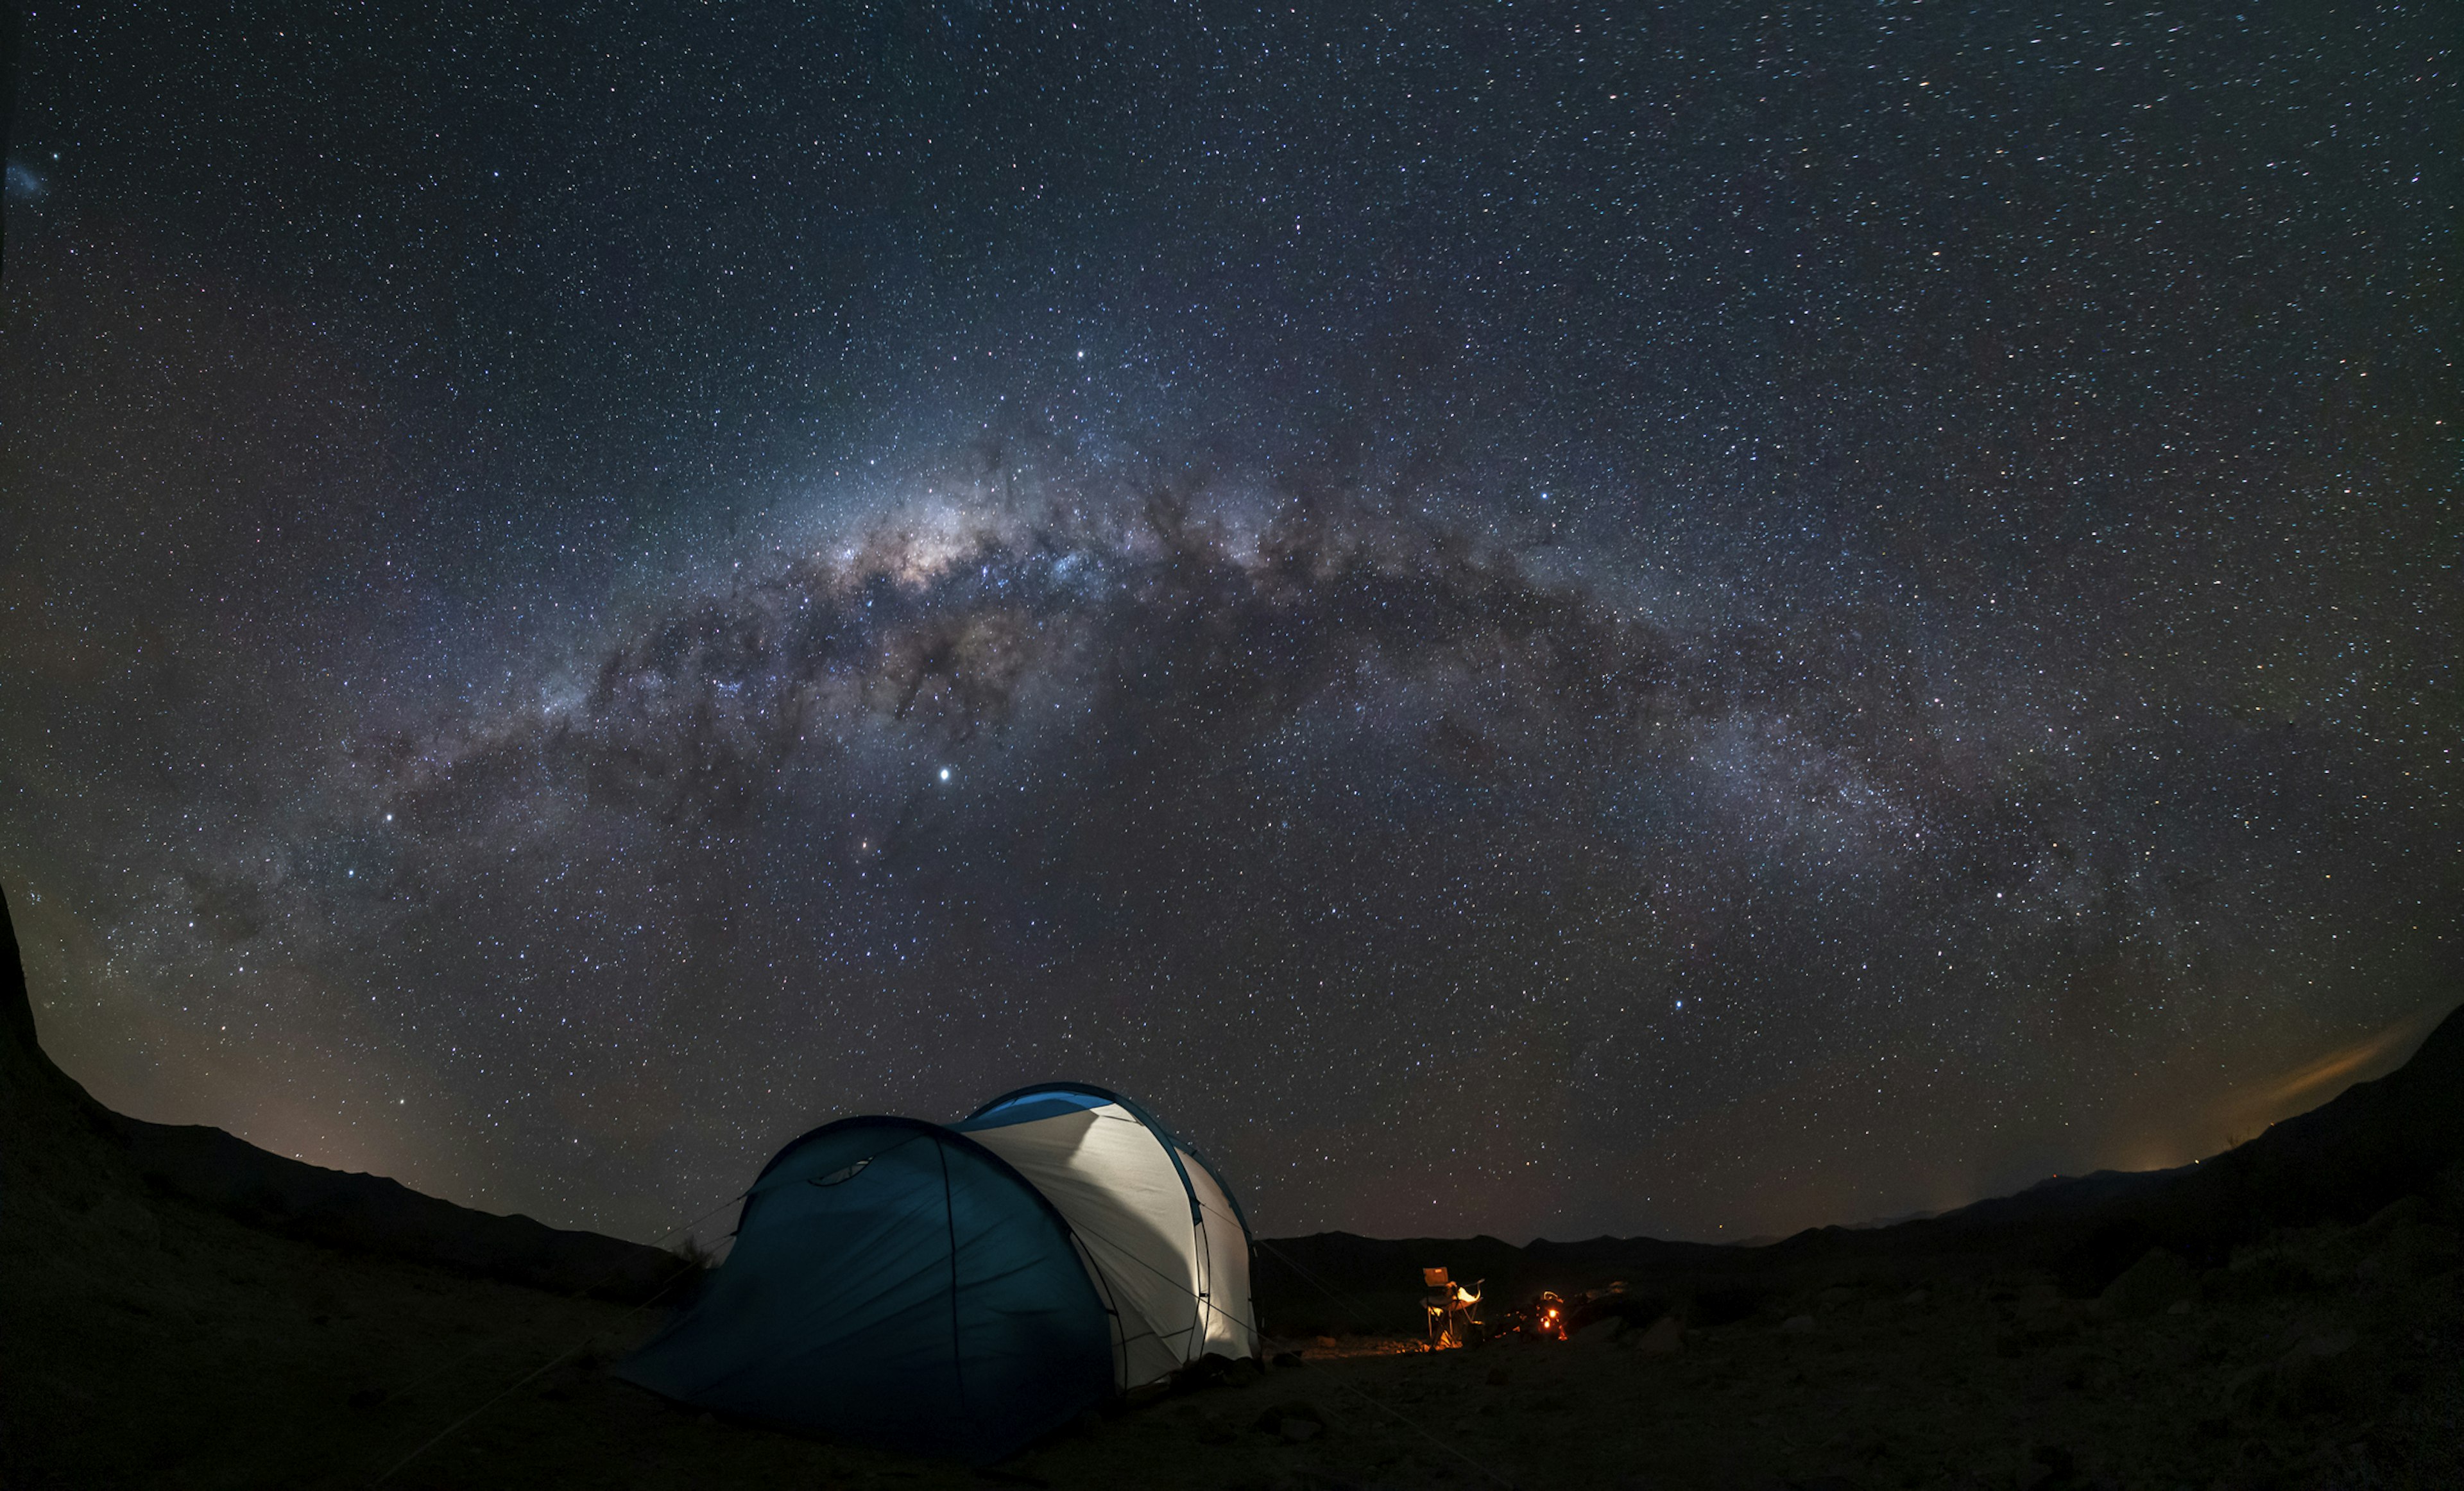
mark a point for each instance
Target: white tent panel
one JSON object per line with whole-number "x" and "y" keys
{"x": 1231, "y": 1326}
{"x": 1114, "y": 1181}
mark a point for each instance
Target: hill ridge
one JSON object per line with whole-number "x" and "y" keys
{"x": 2372, "y": 1144}
{"x": 344, "y": 1209}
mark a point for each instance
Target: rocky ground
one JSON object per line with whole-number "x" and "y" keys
{"x": 155, "y": 1344}
{"x": 2328, "y": 1359}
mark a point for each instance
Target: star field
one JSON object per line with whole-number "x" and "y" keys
{"x": 1539, "y": 620}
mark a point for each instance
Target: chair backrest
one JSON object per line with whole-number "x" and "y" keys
{"x": 1434, "y": 1278}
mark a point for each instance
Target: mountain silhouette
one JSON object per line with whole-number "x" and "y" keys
{"x": 62, "y": 1135}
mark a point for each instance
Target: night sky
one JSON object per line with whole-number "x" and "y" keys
{"x": 1526, "y": 619}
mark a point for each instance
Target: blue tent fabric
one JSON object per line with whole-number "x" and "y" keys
{"x": 894, "y": 1283}
{"x": 1028, "y": 1104}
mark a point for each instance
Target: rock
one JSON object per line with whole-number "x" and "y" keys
{"x": 1913, "y": 1297}
{"x": 1598, "y": 1332}
{"x": 2044, "y": 1466}
{"x": 1666, "y": 1337}
{"x": 1301, "y": 1431}
{"x": 1798, "y": 1326}
{"x": 130, "y": 1219}
{"x": 2148, "y": 1286}
{"x": 1328, "y": 1343}
{"x": 2178, "y": 1307}
{"x": 2259, "y": 1272}
{"x": 2395, "y": 1214}
{"x": 2311, "y": 1378}
{"x": 2421, "y": 1250}
{"x": 2327, "y": 1344}
{"x": 1279, "y": 1420}
{"x": 2446, "y": 1194}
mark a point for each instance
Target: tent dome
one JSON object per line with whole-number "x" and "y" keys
{"x": 1165, "y": 1241}
{"x": 894, "y": 1283}
{"x": 961, "y": 1290}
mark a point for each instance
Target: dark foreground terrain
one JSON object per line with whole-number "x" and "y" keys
{"x": 180, "y": 1313}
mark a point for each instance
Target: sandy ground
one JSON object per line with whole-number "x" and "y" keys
{"x": 151, "y": 1344}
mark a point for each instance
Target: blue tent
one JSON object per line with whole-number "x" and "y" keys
{"x": 896, "y": 1282}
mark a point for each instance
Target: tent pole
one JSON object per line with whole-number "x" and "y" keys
{"x": 950, "y": 1220}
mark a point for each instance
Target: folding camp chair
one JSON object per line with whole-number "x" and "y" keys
{"x": 1452, "y": 1300}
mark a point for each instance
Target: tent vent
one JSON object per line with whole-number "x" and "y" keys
{"x": 842, "y": 1175}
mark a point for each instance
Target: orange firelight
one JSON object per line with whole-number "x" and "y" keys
{"x": 1550, "y": 1324}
